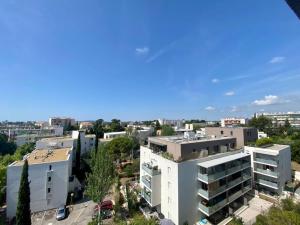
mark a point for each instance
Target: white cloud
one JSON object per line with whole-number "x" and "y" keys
{"x": 267, "y": 100}
{"x": 277, "y": 59}
{"x": 161, "y": 52}
{"x": 210, "y": 108}
{"x": 142, "y": 51}
{"x": 215, "y": 80}
{"x": 230, "y": 93}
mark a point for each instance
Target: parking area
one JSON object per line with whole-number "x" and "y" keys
{"x": 256, "y": 206}
{"x": 79, "y": 214}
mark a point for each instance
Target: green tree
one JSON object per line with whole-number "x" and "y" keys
{"x": 263, "y": 141}
{"x": 23, "y": 216}
{"x": 101, "y": 178}
{"x": 141, "y": 220}
{"x": 262, "y": 123}
{"x": 6, "y": 147}
{"x": 115, "y": 125}
{"x": 98, "y": 129}
{"x": 120, "y": 147}
{"x": 78, "y": 153}
{"x": 167, "y": 130}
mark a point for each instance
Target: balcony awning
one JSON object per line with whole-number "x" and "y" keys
{"x": 225, "y": 159}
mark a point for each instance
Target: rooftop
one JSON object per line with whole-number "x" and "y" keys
{"x": 57, "y": 138}
{"x": 45, "y": 156}
{"x": 222, "y": 160}
{"x": 182, "y": 140}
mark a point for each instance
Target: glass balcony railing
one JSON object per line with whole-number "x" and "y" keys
{"x": 235, "y": 196}
{"x": 209, "y": 210}
{"x": 146, "y": 196}
{"x": 211, "y": 177}
{"x": 246, "y": 165}
{"x": 147, "y": 181}
{"x": 246, "y": 189}
{"x": 150, "y": 170}
{"x": 234, "y": 169}
{"x": 267, "y": 172}
{"x": 234, "y": 182}
{"x": 246, "y": 176}
{"x": 266, "y": 161}
{"x": 268, "y": 183}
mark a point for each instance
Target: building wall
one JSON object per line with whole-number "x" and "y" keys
{"x": 239, "y": 133}
{"x": 38, "y": 177}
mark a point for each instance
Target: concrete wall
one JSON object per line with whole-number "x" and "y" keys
{"x": 40, "y": 199}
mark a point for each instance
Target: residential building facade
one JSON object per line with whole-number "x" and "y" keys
{"x": 233, "y": 121}
{"x": 243, "y": 135}
{"x": 189, "y": 180}
{"x": 61, "y": 121}
{"x": 279, "y": 118}
{"x": 271, "y": 167}
{"x": 49, "y": 172}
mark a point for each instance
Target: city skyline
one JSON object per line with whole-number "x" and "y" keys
{"x": 142, "y": 60}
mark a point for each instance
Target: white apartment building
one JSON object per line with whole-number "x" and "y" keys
{"x": 175, "y": 123}
{"x": 61, "y": 121}
{"x": 87, "y": 142}
{"x": 206, "y": 179}
{"x": 233, "y": 121}
{"x": 49, "y": 172}
{"x": 279, "y": 118}
{"x": 271, "y": 167}
{"x": 111, "y": 135}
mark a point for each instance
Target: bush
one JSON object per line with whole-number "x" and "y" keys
{"x": 263, "y": 141}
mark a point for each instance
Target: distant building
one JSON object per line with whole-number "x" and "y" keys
{"x": 61, "y": 121}
{"x": 174, "y": 123}
{"x": 111, "y": 135}
{"x": 243, "y": 135}
{"x": 279, "y": 118}
{"x": 49, "y": 172}
{"x": 87, "y": 142}
{"x": 206, "y": 179}
{"x": 85, "y": 125}
{"x": 262, "y": 134}
{"x": 233, "y": 121}
{"x": 271, "y": 167}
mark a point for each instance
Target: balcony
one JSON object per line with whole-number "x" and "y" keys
{"x": 246, "y": 189}
{"x": 268, "y": 183}
{"x": 152, "y": 171}
{"x": 234, "y": 169}
{"x": 147, "y": 196}
{"x": 147, "y": 181}
{"x": 246, "y": 165}
{"x": 246, "y": 176}
{"x": 235, "y": 196}
{"x": 266, "y": 161}
{"x": 209, "y": 210}
{"x": 211, "y": 177}
{"x": 267, "y": 172}
{"x": 234, "y": 182}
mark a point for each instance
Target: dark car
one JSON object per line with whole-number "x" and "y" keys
{"x": 105, "y": 205}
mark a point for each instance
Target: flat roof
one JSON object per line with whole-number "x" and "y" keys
{"x": 45, "y": 156}
{"x": 119, "y": 132}
{"x": 182, "y": 140}
{"x": 273, "y": 147}
{"x": 57, "y": 138}
{"x": 222, "y": 160}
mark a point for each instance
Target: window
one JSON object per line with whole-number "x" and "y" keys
{"x": 62, "y": 144}
{"x": 49, "y": 190}
{"x": 49, "y": 179}
{"x": 169, "y": 184}
{"x": 169, "y": 200}
{"x": 222, "y": 132}
{"x": 50, "y": 167}
{"x": 169, "y": 169}
{"x": 231, "y": 133}
{"x": 194, "y": 150}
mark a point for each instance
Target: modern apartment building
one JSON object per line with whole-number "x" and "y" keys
{"x": 49, "y": 172}
{"x": 233, "y": 121}
{"x": 271, "y": 167}
{"x": 61, "y": 121}
{"x": 192, "y": 179}
{"x": 279, "y": 118}
{"x": 87, "y": 142}
{"x": 243, "y": 135}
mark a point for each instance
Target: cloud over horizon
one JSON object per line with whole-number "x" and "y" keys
{"x": 277, "y": 59}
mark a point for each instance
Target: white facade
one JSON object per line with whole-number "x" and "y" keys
{"x": 111, "y": 135}
{"x": 233, "y": 121}
{"x": 87, "y": 142}
{"x": 173, "y": 187}
{"x": 49, "y": 180}
{"x": 279, "y": 118}
{"x": 176, "y": 123}
{"x": 271, "y": 167}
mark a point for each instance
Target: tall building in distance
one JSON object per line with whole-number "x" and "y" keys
{"x": 279, "y": 118}
{"x": 61, "y": 121}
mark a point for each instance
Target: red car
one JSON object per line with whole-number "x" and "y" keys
{"x": 105, "y": 205}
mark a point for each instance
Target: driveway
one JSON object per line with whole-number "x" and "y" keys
{"x": 256, "y": 206}
{"x": 79, "y": 214}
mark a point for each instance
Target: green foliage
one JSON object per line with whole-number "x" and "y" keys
{"x": 6, "y": 147}
{"x": 286, "y": 213}
{"x": 167, "y": 155}
{"x": 131, "y": 201}
{"x": 264, "y": 141}
{"x": 167, "y": 130}
{"x": 115, "y": 125}
{"x": 78, "y": 153}
{"x": 236, "y": 221}
{"x": 23, "y": 216}
{"x": 141, "y": 220}
{"x": 100, "y": 180}
{"x": 262, "y": 123}
{"x": 120, "y": 147}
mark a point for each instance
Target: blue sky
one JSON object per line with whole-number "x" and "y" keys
{"x": 139, "y": 59}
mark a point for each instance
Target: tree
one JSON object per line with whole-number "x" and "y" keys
{"x": 262, "y": 123}
{"x": 167, "y": 130}
{"x": 99, "y": 131}
{"x": 120, "y": 147}
{"x": 78, "y": 153}
{"x": 6, "y": 147}
{"x": 101, "y": 178}
{"x": 23, "y": 216}
{"x": 263, "y": 141}
{"x": 115, "y": 125}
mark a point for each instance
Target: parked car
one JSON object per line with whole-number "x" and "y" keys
{"x": 105, "y": 205}
{"x": 61, "y": 213}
